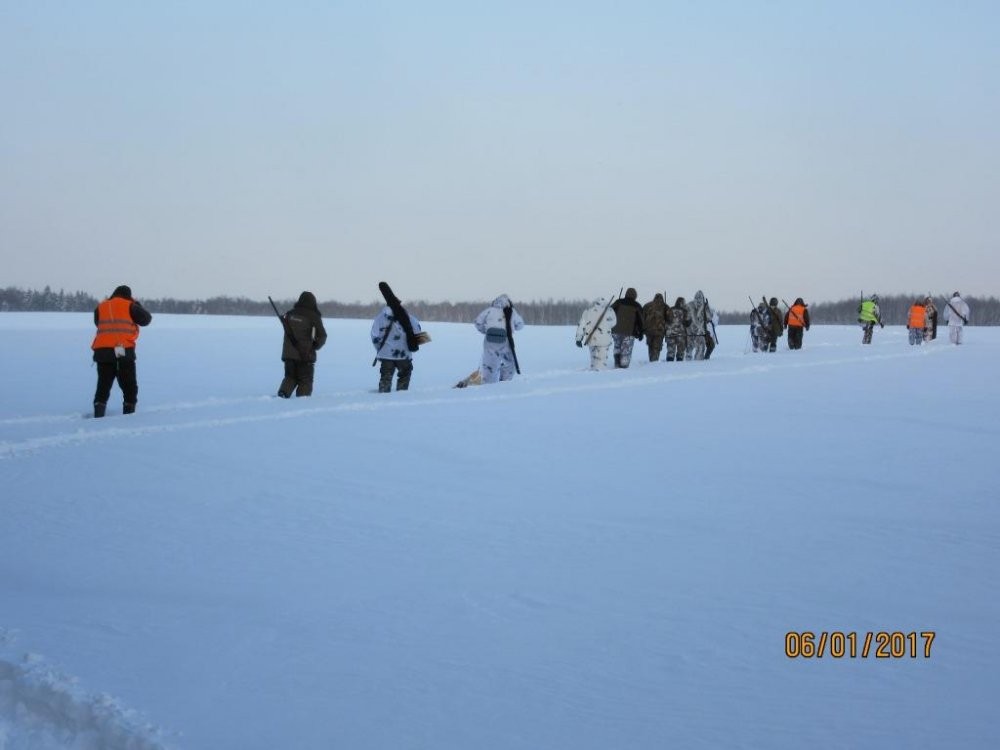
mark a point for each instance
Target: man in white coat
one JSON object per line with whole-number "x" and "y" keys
{"x": 595, "y": 331}
{"x": 956, "y": 314}
{"x": 391, "y": 349}
{"x": 498, "y": 354}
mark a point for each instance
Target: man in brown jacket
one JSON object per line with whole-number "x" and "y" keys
{"x": 654, "y": 324}
{"x": 304, "y": 335}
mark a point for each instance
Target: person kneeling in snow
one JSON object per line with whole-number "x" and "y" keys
{"x": 497, "y": 322}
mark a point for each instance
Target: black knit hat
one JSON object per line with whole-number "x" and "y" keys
{"x": 123, "y": 292}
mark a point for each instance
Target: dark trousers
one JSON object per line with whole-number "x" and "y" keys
{"x": 794, "y": 337}
{"x": 655, "y": 344}
{"x": 709, "y": 345}
{"x": 298, "y": 378}
{"x": 403, "y": 366}
{"x": 122, "y": 370}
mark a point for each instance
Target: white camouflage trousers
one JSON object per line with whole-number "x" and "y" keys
{"x": 696, "y": 346}
{"x": 955, "y": 334}
{"x": 598, "y": 357}
{"x": 497, "y": 364}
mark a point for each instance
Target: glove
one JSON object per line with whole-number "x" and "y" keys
{"x": 579, "y": 343}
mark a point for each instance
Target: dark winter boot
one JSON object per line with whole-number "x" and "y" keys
{"x": 99, "y": 409}
{"x": 128, "y": 408}
{"x": 618, "y": 360}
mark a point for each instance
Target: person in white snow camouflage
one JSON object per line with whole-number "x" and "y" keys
{"x": 596, "y": 323}
{"x": 628, "y": 327}
{"x": 496, "y": 323}
{"x": 956, "y": 315}
{"x": 700, "y": 314}
{"x": 391, "y": 349}
{"x": 710, "y": 338}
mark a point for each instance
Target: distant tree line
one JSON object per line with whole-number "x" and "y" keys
{"x": 545, "y": 312}
{"x": 985, "y": 310}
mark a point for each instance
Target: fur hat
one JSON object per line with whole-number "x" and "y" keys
{"x": 122, "y": 291}
{"x": 773, "y": 302}
{"x": 631, "y": 293}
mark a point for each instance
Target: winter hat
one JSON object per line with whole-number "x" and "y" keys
{"x": 122, "y": 291}
{"x": 307, "y": 300}
{"x": 798, "y": 301}
{"x": 658, "y": 297}
{"x": 956, "y": 294}
{"x": 631, "y": 293}
{"x": 773, "y": 302}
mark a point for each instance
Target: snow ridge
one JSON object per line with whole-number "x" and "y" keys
{"x": 528, "y": 387}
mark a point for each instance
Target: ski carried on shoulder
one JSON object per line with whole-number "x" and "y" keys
{"x": 413, "y": 340}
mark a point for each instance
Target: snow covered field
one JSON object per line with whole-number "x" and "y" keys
{"x": 573, "y": 560}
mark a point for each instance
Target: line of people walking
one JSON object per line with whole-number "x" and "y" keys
{"x": 686, "y": 330}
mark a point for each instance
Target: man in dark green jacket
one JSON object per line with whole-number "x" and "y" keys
{"x": 304, "y": 336}
{"x": 628, "y": 327}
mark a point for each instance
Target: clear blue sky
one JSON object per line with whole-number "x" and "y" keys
{"x": 463, "y": 149}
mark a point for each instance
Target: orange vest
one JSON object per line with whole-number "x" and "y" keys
{"x": 797, "y": 316}
{"x": 918, "y": 317}
{"x": 114, "y": 325}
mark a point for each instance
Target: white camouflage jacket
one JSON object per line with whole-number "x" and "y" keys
{"x": 602, "y": 335}
{"x": 395, "y": 343}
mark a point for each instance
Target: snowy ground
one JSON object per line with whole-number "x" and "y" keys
{"x": 573, "y": 560}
